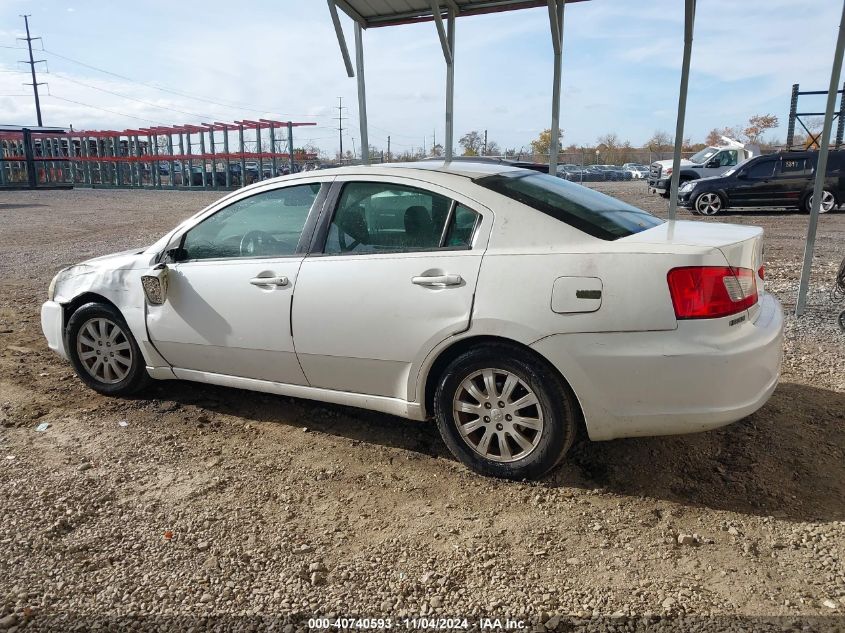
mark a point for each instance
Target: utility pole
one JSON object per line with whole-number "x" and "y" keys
{"x": 32, "y": 63}
{"x": 485, "y": 143}
{"x": 388, "y": 148}
{"x": 340, "y": 120}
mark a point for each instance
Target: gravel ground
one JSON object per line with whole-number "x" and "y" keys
{"x": 205, "y": 507}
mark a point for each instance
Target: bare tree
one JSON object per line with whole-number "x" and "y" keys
{"x": 472, "y": 142}
{"x": 660, "y": 141}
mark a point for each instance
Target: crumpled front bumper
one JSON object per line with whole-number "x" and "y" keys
{"x": 53, "y": 326}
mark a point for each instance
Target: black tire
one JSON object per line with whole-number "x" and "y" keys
{"x": 664, "y": 193}
{"x": 556, "y": 401}
{"x": 136, "y": 377}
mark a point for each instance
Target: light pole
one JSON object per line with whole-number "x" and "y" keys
{"x": 597, "y": 156}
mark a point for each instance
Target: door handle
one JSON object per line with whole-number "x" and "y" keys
{"x": 269, "y": 281}
{"x": 437, "y": 280}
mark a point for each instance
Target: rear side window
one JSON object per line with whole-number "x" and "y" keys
{"x": 374, "y": 217}
{"x": 795, "y": 167}
{"x": 589, "y": 211}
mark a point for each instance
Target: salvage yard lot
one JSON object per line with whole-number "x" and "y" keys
{"x": 288, "y": 507}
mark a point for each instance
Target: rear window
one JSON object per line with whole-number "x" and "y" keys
{"x": 587, "y": 210}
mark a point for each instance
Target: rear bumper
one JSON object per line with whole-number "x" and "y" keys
{"x": 52, "y": 324}
{"x": 701, "y": 376}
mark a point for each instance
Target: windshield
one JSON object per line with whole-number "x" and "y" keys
{"x": 592, "y": 212}
{"x": 704, "y": 155}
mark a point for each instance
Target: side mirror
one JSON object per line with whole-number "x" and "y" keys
{"x": 713, "y": 163}
{"x": 155, "y": 284}
{"x": 173, "y": 255}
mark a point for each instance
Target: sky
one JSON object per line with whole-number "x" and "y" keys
{"x": 190, "y": 62}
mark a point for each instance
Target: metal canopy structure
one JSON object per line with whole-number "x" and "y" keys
{"x": 378, "y": 13}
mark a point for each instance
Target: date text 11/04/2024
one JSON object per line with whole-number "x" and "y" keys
{"x": 413, "y": 624}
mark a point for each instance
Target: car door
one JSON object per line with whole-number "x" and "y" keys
{"x": 227, "y": 309}
{"x": 753, "y": 185}
{"x": 393, "y": 273}
{"x": 719, "y": 163}
{"x": 793, "y": 176}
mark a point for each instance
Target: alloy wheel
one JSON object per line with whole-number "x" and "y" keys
{"x": 498, "y": 415}
{"x": 708, "y": 204}
{"x": 828, "y": 202}
{"x": 104, "y": 350}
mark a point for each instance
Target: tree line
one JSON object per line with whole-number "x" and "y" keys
{"x": 608, "y": 148}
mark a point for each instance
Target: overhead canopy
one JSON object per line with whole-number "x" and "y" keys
{"x": 372, "y": 13}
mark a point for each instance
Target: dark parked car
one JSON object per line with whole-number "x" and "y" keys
{"x": 782, "y": 180}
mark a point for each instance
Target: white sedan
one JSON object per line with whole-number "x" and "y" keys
{"x": 511, "y": 306}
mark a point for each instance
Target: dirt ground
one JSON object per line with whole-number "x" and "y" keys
{"x": 198, "y": 506}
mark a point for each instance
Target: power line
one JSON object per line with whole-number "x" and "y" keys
{"x": 149, "y": 103}
{"x": 230, "y": 105}
{"x": 88, "y": 105}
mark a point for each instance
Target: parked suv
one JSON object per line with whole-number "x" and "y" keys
{"x": 783, "y": 180}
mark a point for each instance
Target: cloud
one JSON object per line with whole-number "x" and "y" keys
{"x": 621, "y": 69}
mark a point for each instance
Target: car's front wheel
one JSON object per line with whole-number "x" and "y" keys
{"x": 708, "y": 203}
{"x": 505, "y": 414}
{"x": 104, "y": 352}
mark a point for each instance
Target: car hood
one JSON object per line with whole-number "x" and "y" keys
{"x": 668, "y": 163}
{"x": 123, "y": 260}
{"x": 710, "y": 180}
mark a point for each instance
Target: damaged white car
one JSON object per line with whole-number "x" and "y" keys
{"x": 511, "y": 306}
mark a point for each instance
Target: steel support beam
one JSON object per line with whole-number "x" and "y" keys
{"x": 341, "y": 40}
{"x": 450, "y": 85}
{"x": 556, "y": 8}
{"x": 290, "y": 147}
{"x": 821, "y": 169}
{"x": 362, "y": 95}
{"x": 273, "y": 161}
{"x": 689, "y": 23}
{"x": 441, "y": 31}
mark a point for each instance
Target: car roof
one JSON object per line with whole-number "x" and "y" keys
{"x": 467, "y": 169}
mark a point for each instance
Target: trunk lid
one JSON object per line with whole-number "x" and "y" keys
{"x": 741, "y": 246}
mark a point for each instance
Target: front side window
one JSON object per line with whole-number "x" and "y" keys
{"x": 268, "y": 224}
{"x": 727, "y": 158}
{"x": 585, "y": 209}
{"x": 763, "y": 169}
{"x": 376, "y": 217}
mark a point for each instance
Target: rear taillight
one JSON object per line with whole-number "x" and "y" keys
{"x": 762, "y": 272}
{"x": 709, "y": 292}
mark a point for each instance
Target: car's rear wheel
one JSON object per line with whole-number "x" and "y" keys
{"x": 505, "y": 414}
{"x": 103, "y": 351}
{"x": 708, "y": 203}
{"x": 828, "y": 202}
